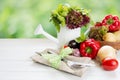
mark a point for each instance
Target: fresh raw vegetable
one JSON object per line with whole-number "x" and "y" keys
{"x": 109, "y": 64}
{"x": 83, "y": 34}
{"x": 69, "y": 16}
{"x": 76, "y": 52}
{"x": 73, "y": 44}
{"x": 112, "y": 22}
{"x": 89, "y": 48}
{"x": 58, "y": 16}
{"x": 106, "y": 51}
{"x": 76, "y": 19}
{"x": 65, "y": 46}
{"x": 98, "y": 24}
{"x": 97, "y": 32}
{"x": 107, "y": 57}
{"x": 117, "y": 35}
{"x": 110, "y": 37}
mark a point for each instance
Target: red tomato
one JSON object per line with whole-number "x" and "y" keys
{"x": 65, "y": 46}
{"x": 109, "y": 64}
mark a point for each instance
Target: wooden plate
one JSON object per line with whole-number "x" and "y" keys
{"x": 115, "y": 45}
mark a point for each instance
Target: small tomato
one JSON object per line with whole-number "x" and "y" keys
{"x": 109, "y": 64}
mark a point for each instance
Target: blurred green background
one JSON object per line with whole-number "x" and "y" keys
{"x": 19, "y": 18}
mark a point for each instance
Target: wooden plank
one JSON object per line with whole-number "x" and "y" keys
{"x": 16, "y": 64}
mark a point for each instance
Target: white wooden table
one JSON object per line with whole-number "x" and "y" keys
{"x": 16, "y": 64}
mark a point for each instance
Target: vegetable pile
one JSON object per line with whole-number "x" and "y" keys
{"x": 106, "y": 30}
{"x": 71, "y": 17}
{"x": 88, "y": 43}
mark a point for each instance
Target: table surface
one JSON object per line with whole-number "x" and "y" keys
{"x": 16, "y": 63}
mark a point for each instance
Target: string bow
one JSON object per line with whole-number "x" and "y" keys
{"x": 55, "y": 59}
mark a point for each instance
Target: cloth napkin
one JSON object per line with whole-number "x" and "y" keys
{"x": 70, "y": 64}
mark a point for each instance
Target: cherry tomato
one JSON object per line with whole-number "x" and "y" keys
{"x": 65, "y": 46}
{"x": 109, "y": 64}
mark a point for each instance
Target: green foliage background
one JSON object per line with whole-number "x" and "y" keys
{"x": 19, "y": 18}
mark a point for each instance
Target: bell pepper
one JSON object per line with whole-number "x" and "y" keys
{"x": 112, "y": 22}
{"x": 89, "y": 48}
